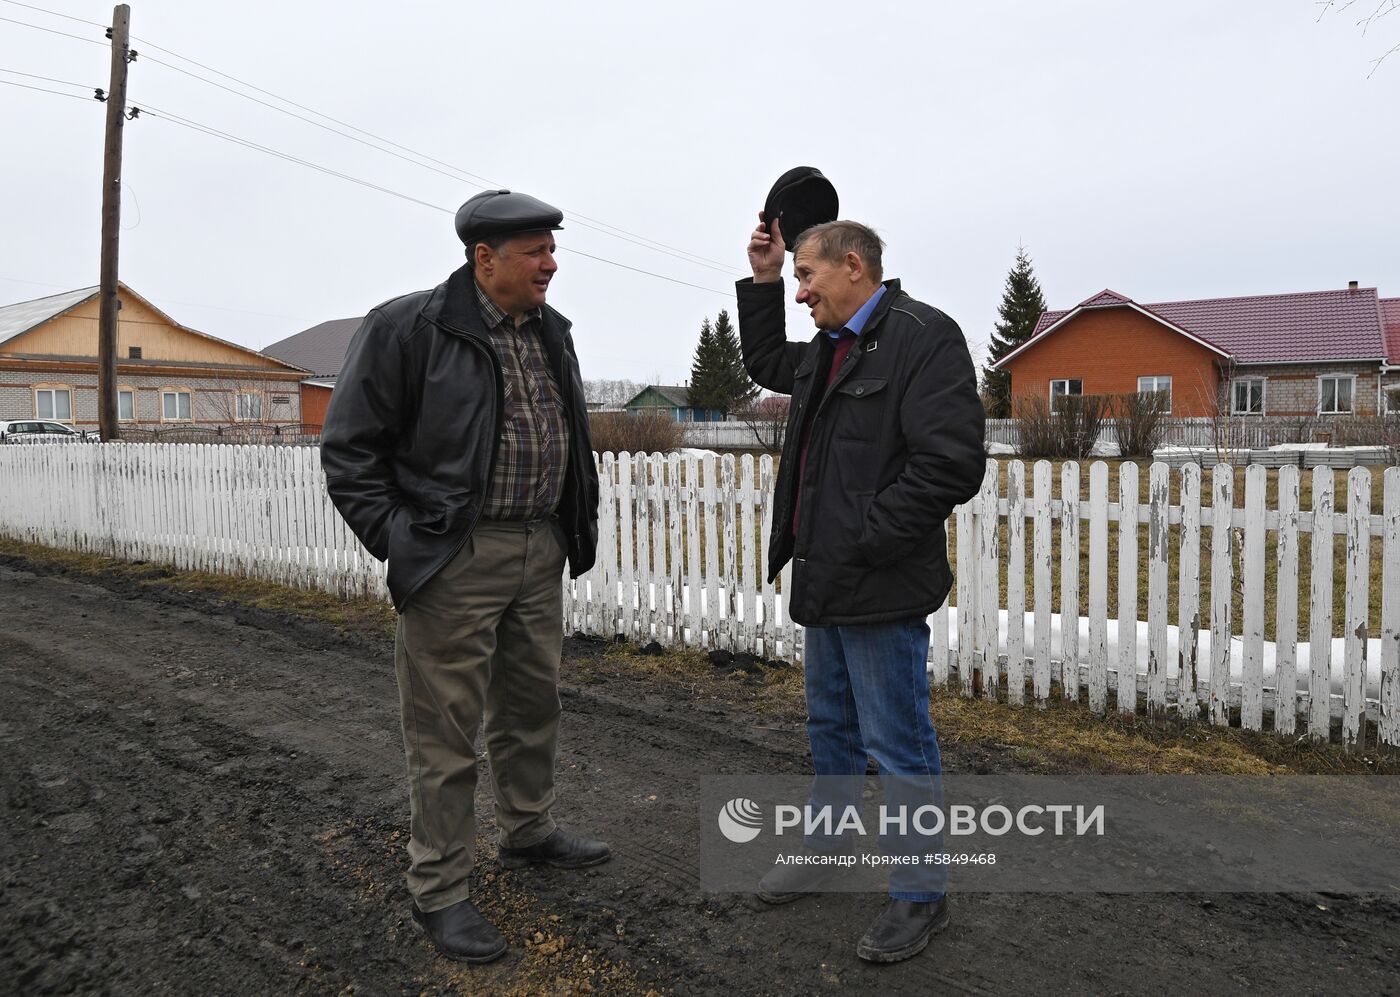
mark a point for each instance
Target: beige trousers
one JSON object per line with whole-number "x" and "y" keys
{"x": 481, "y": 641}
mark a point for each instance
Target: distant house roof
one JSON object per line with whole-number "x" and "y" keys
{"x": 1267, "y": 328}
{"x": 676, "y": 394}
{"x": 1390, "y": 317}
{"x": 320, "y": 349}
{"x": 22, "y": 316}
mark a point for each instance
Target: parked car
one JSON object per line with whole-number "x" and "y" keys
{"x": 38, "y": 431}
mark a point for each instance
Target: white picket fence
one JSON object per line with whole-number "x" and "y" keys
{"x": 683, "y": 545}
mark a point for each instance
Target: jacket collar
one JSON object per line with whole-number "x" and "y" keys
{"x": 453, "y": 306}
{"x": 881, "y": 308}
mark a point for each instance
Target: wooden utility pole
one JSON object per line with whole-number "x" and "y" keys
{"x": 108, "y": 304}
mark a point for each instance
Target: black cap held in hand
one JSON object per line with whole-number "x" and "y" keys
{"x": 801, "y": 198}
{"x": 501, "y": 212}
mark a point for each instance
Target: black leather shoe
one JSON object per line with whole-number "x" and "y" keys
{"x": 902, "y": 930}
{"x": 461, "y": 933}
{"x": 561, "y": 850}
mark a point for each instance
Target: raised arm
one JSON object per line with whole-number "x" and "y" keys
{"x": 768, "y": 356}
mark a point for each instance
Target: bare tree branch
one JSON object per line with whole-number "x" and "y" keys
{"x": 1382, "y": 8}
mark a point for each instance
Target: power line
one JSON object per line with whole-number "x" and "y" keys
{"x": 624, "y": 266}
{"x": 56, "y": 93}
{"x": 458, "y": 173}
{"x": 411, "y": 161}
{"x": 52, "y": 31}
{"x": 249, "y": 144}
{"x": 48, "y": 79}
{"x": 183, "y": 122}
{"x": 42, "y": 10}
{"x": 484, "y": 181}
{"x": 176, "y": 119}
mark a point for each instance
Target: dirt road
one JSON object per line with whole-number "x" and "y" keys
{"x": 205, "y": 798}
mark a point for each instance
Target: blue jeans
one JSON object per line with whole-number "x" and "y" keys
{"x": 867, "y": 696}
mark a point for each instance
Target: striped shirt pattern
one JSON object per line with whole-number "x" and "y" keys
{"x": 532, "y": 453}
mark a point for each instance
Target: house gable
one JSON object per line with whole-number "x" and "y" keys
{"x": 1105, "y": 299}
{"x": 71, "y": 334}
{"x": 1108, "y": 349}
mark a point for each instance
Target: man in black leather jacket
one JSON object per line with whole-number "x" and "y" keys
{"x": 456, "y": 447}
{"x": 885, "y": 437}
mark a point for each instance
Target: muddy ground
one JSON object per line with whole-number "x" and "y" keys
{"x": 200, "y": 797}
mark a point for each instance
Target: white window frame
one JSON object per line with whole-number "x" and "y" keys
{"x": 132, "y": 393}
{"x": 1263, "y": 383}
{"x": 177, "y": 393}
{"x": 53, "y": 392}
{"x": 254, "y": 396}
{"x": 1336, "y": 377}
{"x": 1156, "y": 387}
{"x": 1066, "y": 381}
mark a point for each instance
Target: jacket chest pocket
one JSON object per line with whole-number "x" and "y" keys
{"x": 861, "y": 408}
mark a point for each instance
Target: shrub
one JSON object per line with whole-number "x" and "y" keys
{"x": 1069, "y": 432}
{"x": 1036, "y": 430}
{"x": 1140, "y": 422}
{"x": 1081, "y": 420}
{"x": 646, "y": 432}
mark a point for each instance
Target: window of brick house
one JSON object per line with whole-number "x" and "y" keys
{"x": 1158, "y": 383}
{"x": 175, "y": 406}
{"x": 1335, "y": 395}
{"x": 53, "y": 403}
{"x": 1247, "y": 396}
{"x": 1064, "y": 386}
{"x": 126, "y": 405}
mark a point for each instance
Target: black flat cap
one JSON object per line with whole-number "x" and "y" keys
{"x": 801, "y": 198}
{"x": 501, "y": 212}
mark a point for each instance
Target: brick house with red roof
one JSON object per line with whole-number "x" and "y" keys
{"x": 1306, "y": 354}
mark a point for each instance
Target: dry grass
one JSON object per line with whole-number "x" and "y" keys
{"x": 354, "y": 615}
{"x": 1062, "y": 738}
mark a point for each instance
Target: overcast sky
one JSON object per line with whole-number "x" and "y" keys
{"x": 1174, "y": 150}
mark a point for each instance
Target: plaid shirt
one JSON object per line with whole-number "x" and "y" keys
{"x": 533, "y": 450}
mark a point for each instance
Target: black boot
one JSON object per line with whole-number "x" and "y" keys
{"x": 783, "y": 884}
{"x": 461, "y": 933}
{"x": 902, "y": 930}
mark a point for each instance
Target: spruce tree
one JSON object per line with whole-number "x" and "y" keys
{"x": 717, "y": 376}
{"x": 1022, "y": 303}
{"x": 739, "y": 388}
{"x": 706, "y": 388}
